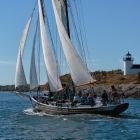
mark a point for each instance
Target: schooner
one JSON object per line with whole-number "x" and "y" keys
{"x": 78, "y": 70}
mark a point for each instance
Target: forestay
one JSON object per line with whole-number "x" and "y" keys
{"x": 53, "y": 76}
{"x": 78, "y": 70}
{"x": 20, "y": 75}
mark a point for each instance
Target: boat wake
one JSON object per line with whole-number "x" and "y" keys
{"x": 32, "y": 111}
{"x": 84, "y": 117}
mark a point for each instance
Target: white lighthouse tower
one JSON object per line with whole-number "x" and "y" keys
{"x": 128, "y": 63}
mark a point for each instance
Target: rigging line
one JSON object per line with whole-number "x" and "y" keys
{"x": 74, "y": 50}
{"x": 60, "y": 50}
{"x": 64, "y": 7}
{"x": 25, "y": 99}
{"x": 35, "y": 5}
{"x": 50, "y": 34}
{"x": 67, "y": 18}
{"x": 61, "y": 59}
{"x": 56, "y": 48}
{"x": 56, "y": 51}
{"x": 42, "y": 7}
{"x": 84, "y": 32}
{"x": 51, "y": 40}
{"x": 77, "y": 57}
{"x": 80, "y": 30}
{"x": 76, "y": 32}
{"x": 65, "y": 11}
{"x": 52, "y": 43}
{"x": 39, "y": 63}
{"x": 38, "y": 56}
{"x": 81, "y": 42}
{"x": 32, "y": 63}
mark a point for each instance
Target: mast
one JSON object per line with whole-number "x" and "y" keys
{"x": 43, "y": 14}
{"x": 67, "y": 17}
{"x": 42, "y": 7}
{"x": 68, "y": 30}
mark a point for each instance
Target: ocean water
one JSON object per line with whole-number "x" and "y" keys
{"x": 18, "y": 121}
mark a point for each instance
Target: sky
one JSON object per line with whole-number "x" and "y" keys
{"x": 112, "y": 29}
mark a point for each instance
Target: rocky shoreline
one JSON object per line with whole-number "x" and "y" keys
{"x": 128, "y": 90}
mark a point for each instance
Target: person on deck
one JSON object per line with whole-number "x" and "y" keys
{"x": 69, "y": 93}
{"x": 104, "y": 98}
{"x": 90, "y": 99}
{"x": 115, "y": 95}
{"x": 76, "y": 98}
{"x": 83, "y": 98}
{"x": 64, "y": 96}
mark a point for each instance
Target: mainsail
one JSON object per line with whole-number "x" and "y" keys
{"x": 20, "y": 76}
{"x": 33, "y": 74}
{"x": 78, "y": 70}
{"x": 53, "y": 76}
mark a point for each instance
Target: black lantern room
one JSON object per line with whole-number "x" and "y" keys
{"x": 128, "y": 57}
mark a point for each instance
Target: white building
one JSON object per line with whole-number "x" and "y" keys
{"x": 129, "y": 67}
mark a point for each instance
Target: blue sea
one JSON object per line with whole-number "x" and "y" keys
{"x": 18, "y": 121}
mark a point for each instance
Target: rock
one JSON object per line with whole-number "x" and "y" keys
{"x": 129, "y": 90}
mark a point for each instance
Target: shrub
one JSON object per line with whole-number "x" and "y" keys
{"x": 138, "y": 77}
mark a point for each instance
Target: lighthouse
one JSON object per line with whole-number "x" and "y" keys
{"x": 128, "y": 63}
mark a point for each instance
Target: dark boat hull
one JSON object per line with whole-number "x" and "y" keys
{"x": 59, "y": 110}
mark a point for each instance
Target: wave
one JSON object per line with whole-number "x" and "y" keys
{"x": 32, "y": 111}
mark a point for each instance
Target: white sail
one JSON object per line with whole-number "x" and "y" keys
{"x": 33, "y": 74}
{"x": 24, "y": 35}
{"x": 53, "y": 76}
{"x": 20, "y": 76}
{"x": 78, "y": 70}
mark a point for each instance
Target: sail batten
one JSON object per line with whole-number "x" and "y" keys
{"x": 33, "y": 73}
{"x": 78, "y": 70}
{"x": 53, "y": 76}
{"x": 20, "y": 78}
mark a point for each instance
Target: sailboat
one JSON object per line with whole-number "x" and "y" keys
{"x": 78, "y": 70}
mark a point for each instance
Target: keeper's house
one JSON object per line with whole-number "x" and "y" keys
{"x": 129, "y": 67}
